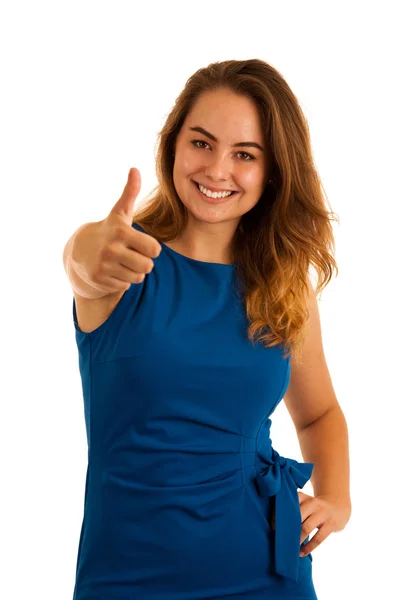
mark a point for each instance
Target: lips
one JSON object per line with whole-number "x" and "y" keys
{"x": 210, "y": 199}
{"x": 214, "y": 190}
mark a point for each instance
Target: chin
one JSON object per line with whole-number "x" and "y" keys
{"x": 210, "y": 217}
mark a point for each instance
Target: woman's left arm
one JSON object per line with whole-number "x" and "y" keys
{"x": 323, "y": 436}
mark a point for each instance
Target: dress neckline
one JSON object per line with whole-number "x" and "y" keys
{"x": 220, "y": 266}
{"x": 199, "y": 262}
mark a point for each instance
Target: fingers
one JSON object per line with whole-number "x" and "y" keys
{"x": 136, "y": 261}
{"x": 143, "y": 243}
{"x": 323, "y": 532}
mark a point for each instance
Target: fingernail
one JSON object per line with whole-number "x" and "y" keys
{"x": 302, "y": 554}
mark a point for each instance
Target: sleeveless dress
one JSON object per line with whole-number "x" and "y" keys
{"x": 185, "y": 497}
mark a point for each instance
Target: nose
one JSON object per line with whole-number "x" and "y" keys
{"x": 218, "y": 167}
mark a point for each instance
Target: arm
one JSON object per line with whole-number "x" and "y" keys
{"x": 319, "y": 421}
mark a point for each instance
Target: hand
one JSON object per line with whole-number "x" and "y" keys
{"x": 326, "y": 513}
{"x": 111, "y": 254}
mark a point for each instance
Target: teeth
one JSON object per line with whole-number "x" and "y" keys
{"x": 210, "y": 194}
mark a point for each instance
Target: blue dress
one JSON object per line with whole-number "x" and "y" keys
{"x": 182, "y": 480}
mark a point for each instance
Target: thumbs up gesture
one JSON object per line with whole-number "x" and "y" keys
{"x": 111, "y": 254}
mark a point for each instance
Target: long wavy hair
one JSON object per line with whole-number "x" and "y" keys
{"x": 287, "y": 232}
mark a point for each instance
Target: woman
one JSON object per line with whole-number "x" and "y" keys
{"x": 193, "y": 322}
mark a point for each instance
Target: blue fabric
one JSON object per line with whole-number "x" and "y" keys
{"x": 182, "y": 479}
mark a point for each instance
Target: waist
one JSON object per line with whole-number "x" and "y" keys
{"x": 207, "y": 481}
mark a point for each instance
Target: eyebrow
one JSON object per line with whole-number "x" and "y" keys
{"x": 214, "y": 139}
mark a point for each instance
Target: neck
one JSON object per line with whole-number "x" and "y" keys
{"x": 205, "y": 244}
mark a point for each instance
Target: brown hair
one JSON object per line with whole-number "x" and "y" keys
{"x": 287, "y": 231}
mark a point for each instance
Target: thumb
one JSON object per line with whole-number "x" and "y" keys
{"x": 124, "y": 206}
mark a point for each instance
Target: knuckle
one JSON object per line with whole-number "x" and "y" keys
{"x": 106, "y": 253}
{"x": 139, "y": 277}
{"x": 119, "y": 231}
{"x": 109, "y": 252}
{"x": 96, "y": 277}
{"x": 332, "y": 524}
{"x": 150, "y": 266}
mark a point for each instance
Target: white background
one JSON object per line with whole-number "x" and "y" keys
{"x": 85, "y": 88}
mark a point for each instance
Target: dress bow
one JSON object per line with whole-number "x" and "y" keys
{"x": 281, "y": 477}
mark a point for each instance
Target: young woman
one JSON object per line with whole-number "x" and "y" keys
{"x": 194, "y": 317}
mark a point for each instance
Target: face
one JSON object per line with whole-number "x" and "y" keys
{"x": 226, "y": 153}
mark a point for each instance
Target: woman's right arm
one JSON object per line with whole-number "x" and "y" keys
{"x": 102, "y": 259}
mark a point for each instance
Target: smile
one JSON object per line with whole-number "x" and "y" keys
{"x": 213, "y": 196}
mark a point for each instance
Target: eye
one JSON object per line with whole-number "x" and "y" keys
{"x": 251, "y": 157}
{"x": 194, "y": 142}
{"x": 248, "y": 159}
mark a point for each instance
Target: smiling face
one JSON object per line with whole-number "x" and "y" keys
{"x": 221, "y": 146}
